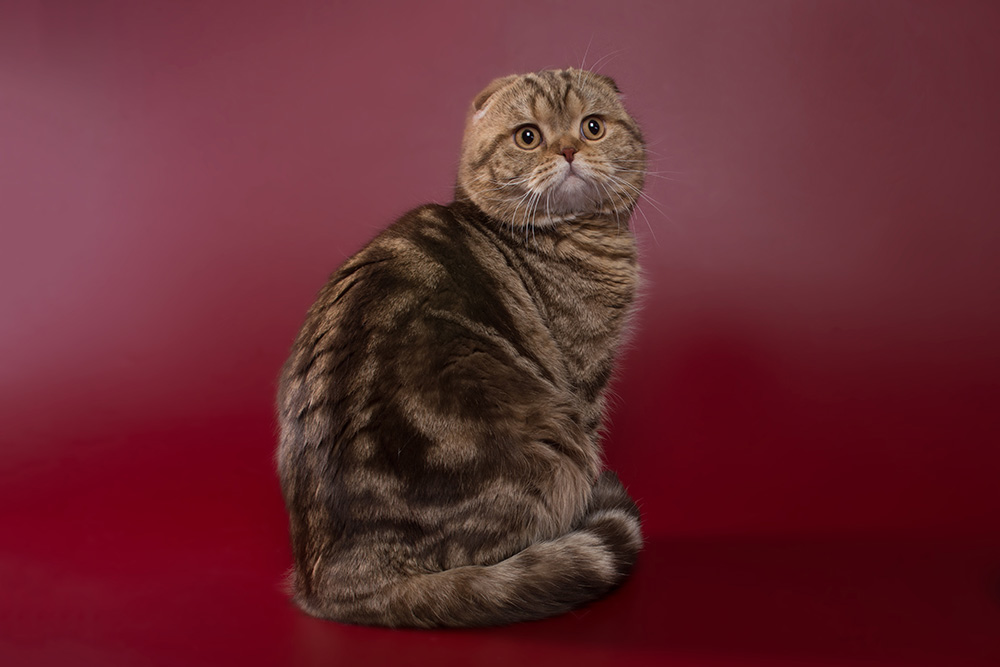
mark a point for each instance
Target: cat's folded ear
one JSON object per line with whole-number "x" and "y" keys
{"x": 608, "y": 81}
{"x": 481, "y": 103}
{"x": 602, "y": 79}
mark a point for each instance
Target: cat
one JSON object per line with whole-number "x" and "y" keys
{"x": 441, "y": 408}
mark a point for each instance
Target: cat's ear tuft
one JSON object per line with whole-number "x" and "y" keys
{"x": 481, "y": 103}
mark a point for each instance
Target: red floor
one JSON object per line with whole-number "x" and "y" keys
{"x": 168, "y": 548}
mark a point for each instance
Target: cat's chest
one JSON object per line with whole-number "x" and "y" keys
{"x": 571, "y": 292}
{"x": 585, "y": 297}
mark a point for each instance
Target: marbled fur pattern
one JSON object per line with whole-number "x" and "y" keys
{"x": 440, "y": 410}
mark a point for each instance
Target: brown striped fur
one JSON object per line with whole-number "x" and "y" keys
{"x": 440, "y": 410}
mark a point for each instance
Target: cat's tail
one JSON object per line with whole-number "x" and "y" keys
{"x": 545, "y": 579}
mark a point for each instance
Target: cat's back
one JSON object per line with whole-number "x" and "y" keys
{"x": 434, "y": 261}
{"x": 429, "y": 296}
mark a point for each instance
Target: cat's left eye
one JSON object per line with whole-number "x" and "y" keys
{"x": 592, "y": 128}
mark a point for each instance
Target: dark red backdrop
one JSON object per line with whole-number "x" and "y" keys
{"x": 807, "y": 412}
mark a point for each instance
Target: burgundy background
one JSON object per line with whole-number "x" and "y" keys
{"x": 807, "y": 413}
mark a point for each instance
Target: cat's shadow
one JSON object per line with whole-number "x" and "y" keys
{"x": 795, "y": 598}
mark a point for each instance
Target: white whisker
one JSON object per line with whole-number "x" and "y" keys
{"x": 583, "y": 63}
{"x": 594, "y": 67}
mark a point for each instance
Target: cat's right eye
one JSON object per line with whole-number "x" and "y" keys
{"x": 527, "y": 137}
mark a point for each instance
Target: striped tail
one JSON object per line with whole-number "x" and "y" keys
{"x": 545, "y": 579}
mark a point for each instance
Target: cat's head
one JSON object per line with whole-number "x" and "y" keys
{"x": 551, "y": 146}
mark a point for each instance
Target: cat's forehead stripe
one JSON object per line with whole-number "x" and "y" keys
{"x": 558, "y": 95}
{"x": 543, "y": 106}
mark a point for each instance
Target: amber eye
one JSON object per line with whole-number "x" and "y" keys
{"x": 592, "y": 128}
{"x": 528, "y": 137}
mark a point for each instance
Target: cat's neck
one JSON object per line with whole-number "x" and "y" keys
{"x": 581, "y": 237}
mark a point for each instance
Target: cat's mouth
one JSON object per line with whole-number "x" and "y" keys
{"x": 569, "y": 172}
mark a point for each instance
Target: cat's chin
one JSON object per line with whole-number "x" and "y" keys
{"x": 574, "y": 197}
{"x": 570, "y": 197}
{"x": 573, "y": 194}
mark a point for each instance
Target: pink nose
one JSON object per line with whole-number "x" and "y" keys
{"x": 568, "y": 153}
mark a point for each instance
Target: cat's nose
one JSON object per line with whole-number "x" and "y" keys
{"x": 568, "y": 153}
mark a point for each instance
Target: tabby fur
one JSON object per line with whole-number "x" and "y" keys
{"x": 441, "y": 408}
